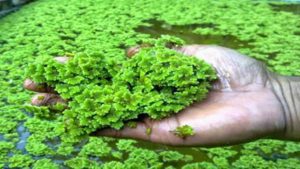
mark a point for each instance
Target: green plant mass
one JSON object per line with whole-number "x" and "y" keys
{"x": 94, "y": 35}
{"x": 103, "y": 92}
{"x": 184, "y": 131}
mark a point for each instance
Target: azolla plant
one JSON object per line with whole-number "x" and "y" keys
{"x": 103, "y": 92}
{"x": 101, "y": 30}
{"x": 184, "y": 131}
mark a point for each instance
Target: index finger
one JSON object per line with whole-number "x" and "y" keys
{"x": 37, "y": 87}
{"x": 43, "y": 87}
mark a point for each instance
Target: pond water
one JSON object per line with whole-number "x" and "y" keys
{"x": 295, "y": 8}
{"x": 262, "y": 148}
{"x": 185, "y": 32}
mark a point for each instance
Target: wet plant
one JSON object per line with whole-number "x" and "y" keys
{"x": 103, "y": 92}
{"x": 183, "y": 131}
{"x": 106, "y": 28}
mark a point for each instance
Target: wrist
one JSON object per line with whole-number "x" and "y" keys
{"x": 287, "y": 91}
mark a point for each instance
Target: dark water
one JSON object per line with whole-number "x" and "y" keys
{"x": 23, "y": 135}
{"x": 185, "y": 32}
{"x": 295, "y": 8}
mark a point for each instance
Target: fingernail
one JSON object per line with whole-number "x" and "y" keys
{"x": 62, "y": 59}
{"x": 132, "y": 51}
{"x": 27, "y": 83}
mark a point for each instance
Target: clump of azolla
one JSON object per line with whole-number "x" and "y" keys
{"x": 183, "y": 131}
{"x": 103, "y": 92}
{"x": 38, "y": 30}
{"x": 131, "y": 124}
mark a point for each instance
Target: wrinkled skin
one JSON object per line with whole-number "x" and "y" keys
{"x": 240, "y": 107}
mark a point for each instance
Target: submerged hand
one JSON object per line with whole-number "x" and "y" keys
{"x": 240, "y": 107}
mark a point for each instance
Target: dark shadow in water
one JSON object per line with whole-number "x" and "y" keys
{"x": 198, "y": 154}
{"x": 292, "y": 8}
{"x": 185, "y": 32}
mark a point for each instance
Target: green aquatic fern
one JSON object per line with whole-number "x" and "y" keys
{"x": 7, "y": 125}
{"x": 113, "y": 165}
{"x": 157, "y": 81}
{"x": 143, "y": 158}
{"x": 164, "y": 81}
{"x": 21, "y": 161}
{"x": 200, "y": 165}
{"x": 95, "y": 147}
{"x": 183, "y": 131}
{"x": 47, "y": 29}
{"x": 171, "y": 156}
{"x": 81, "y": 162}
{"x": 45, "y": 163}
{"x": 131, "y": 124}
{"x": 126, "y": 145}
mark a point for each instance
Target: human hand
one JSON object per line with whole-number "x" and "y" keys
{"x": 46, "y": 96}
{"x": 240, "y": 107}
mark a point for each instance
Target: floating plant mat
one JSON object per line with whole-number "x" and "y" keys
{"x": 60, "y": 27}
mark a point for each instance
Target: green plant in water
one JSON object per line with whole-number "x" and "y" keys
{"x": 183, "y": 131}
{"x": 45, "y": 164}
{"x": 21, "y": 161}
{"x": 69, "y": 27}
{"x": 131, "y": 124}
{"x": 95, "y": 147}
{"x": 171, "y": 156}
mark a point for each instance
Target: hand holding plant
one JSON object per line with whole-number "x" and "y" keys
{"x": 241, "y": 106}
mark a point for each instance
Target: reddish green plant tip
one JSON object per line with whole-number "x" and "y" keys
{"x": 183, "y": 131}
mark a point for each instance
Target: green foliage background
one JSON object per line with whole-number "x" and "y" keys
{"x": 58, "y": 27}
